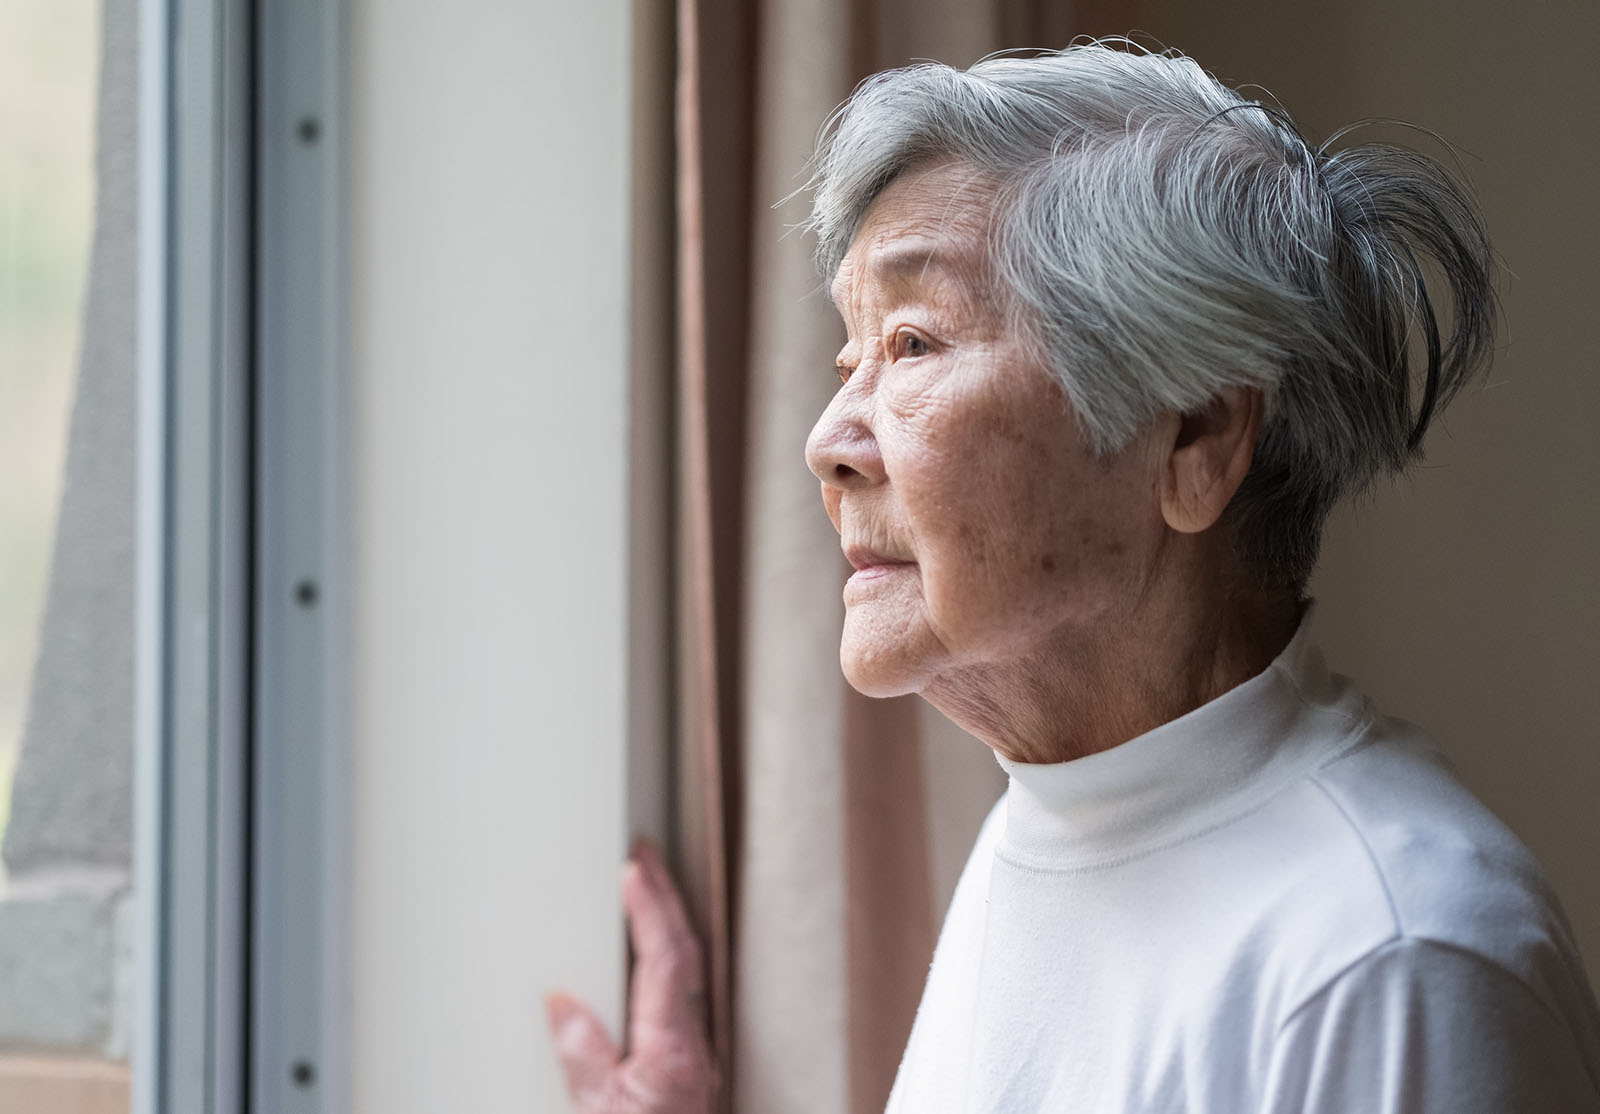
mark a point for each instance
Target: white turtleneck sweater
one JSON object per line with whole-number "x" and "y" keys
{"x": 1280, "y": 902}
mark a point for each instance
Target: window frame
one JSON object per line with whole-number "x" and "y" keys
{"x": 237, "y": 776}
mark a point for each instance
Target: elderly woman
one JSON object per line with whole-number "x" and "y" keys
{"x": 1117, "y": 342}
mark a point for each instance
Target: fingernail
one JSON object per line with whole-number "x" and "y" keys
{"x": 635, "y": 853}
{"x": 562, "y": 1010}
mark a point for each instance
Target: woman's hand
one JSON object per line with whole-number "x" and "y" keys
{"x": 669, "y": 1068}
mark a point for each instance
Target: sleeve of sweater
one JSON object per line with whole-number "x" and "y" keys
{"x": 1424, "y": 1028}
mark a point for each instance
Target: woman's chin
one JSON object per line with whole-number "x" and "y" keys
{"x": 873, "y": 672}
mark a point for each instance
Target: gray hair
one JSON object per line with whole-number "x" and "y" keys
{"x": 1164, "y": 238}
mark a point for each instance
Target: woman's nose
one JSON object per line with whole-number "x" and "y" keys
{"x": 842, "y": 451}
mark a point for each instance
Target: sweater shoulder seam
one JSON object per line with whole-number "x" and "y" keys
{"x": 1403, "y": 940}
{"x": 1382, "y": 876}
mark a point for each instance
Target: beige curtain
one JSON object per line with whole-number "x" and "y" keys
{"x": 820, "y": 832}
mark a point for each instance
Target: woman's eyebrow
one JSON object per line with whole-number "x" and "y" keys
{"x": 904, "y": 267}
{"x": 909, "y": 263}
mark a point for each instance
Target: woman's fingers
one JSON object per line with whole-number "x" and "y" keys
{"x": 669, "y": 1069}
{"x": 669, "y": 993}
{"x": 648, "y": 856}
{"x": 588, "y": 1057}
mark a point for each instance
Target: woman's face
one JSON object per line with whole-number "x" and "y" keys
{"x": 982, "y": 529}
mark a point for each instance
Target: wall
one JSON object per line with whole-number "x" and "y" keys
{"x": 1467, "y": 598}
{"x": 490, "y": 278}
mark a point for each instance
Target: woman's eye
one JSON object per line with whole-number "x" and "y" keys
{"x": 911, "y": 346}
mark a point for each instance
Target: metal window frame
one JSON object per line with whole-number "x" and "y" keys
{"x": 238, "y": 781}
{"x": 301, "y": 799}
{"x": 194, "y": 577}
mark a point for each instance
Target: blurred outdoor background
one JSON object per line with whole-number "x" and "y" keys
{"x": 49, "y": 73}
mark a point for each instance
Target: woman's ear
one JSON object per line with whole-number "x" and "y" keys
{"x": 1209, "y": 458}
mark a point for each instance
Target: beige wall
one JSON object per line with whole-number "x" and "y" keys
{"x": 490, "y": 268}
{"x": 1467, "y": 598}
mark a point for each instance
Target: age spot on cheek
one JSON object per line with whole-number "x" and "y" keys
{"x": 1047, "y": 562}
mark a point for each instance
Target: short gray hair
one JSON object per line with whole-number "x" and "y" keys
{"x": 1164, "y": 238}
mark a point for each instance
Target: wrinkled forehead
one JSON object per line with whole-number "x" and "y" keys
{"x": 931, "y": 226}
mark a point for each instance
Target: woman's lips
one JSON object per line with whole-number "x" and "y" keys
{"x": 863, "y": 559}
{"x": 871, "y": 565}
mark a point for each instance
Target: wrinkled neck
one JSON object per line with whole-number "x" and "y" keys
{"x": 1070, "y": 696}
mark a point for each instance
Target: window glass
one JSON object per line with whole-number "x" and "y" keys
{"x": 68, "y": 172}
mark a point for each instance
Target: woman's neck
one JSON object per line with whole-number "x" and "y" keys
{"x": 1073, "y": 696}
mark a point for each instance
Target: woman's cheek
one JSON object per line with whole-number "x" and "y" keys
{"x": 961, "y": 584}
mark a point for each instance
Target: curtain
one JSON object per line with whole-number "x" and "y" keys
{"x": 819, "y": 832}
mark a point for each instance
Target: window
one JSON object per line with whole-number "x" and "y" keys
{"x": 68, "y": 175}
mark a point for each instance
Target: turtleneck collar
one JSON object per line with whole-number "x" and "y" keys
{"x": 1189, "y": 775}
